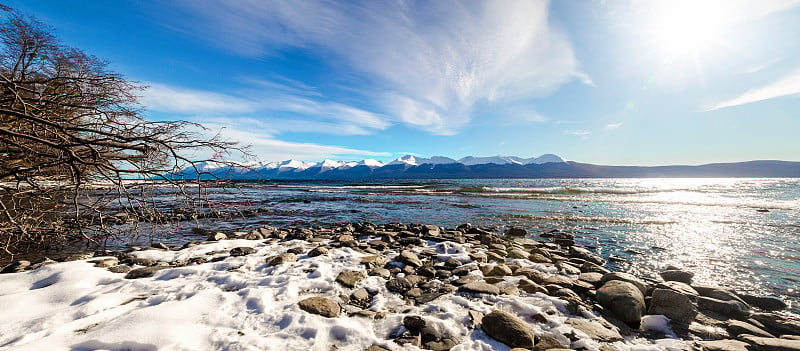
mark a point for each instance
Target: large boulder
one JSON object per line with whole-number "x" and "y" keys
{"x": 739, "y": 327}
{"x": 677, "y": 275}
{"x": 322, "y": 306}
{"x": 626, "y": 277}
{"x": 772, "y": 344}
{"x": 623, "y": 299}
{"x": 595, "y": 330}
{"x": 723, "y": 345}
{"x": 508, "y": 329}
{"x": 410, "y": 258}
{"x": 732, "y": 308}
{"x": 778, "y": 324}
{"x": 676, "y": 306}
{"x": 764, "y": 302}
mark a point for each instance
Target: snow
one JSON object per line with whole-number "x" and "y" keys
{"x": 407, "y": 160}
{"x": 240, "y": 303}
{"x": 500, "y": 160}
{"x": 547, "y": 158}
{"x": 294, "y": 165}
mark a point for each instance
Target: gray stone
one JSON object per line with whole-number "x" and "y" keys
{"x": 143, "y": 272}
{"x": 409, "y": 258}
{"x": 592, "y": 278}
{"x": 475, "y": 318}
{"x": 623, "y": 299}
{"x": 414, "y": 323}
{"x": 376, "y": 348}
{"x": 281, "y": 259}
{"x": 516, "y": 231}
{"x": 547, "y": 343}
{"x": 318, "y": 251}
{"x": 242, "y": 251}
{"x": 674, "y": 305}
{"x": 380, "y": 272}
{"x": 143, "y": 261}
{"x": 105, "y": 262}
{"x": 732, "y": 308}
{"x": 778, "y": 324}
{"x": 740, "y": 327}
{"x": 682, "y": 288}
{"x": 360, "y": 295}
{"x": 530, "y": 287}
{"x": 160, "y": 246}
{"x": 119, "y": 269}
{"x": 677, "y": 275}
{"x": 595, "y": 330}
{"x": 764, "y": 302}
{"x": 399, "y": 285}
{"x": 499, "y": 270}
{"x": 719, "y": 293}
{"x": 723, "y": 345}
{"x": 626, "y": 277}
{"x": 585, "y": 255}
{"x": 16, "y": 267}
{"x": 772, "y": 344}
{"x": 217, "y": 237}
{"x": 518, "y": 254}
{"x": 322, "y": 306}
{"x": 508, "y": 329}
{"x": 480, "y": 287}
{"x": 349, "y": 279}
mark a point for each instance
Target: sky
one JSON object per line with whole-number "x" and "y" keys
{"x": 618, "y": 82}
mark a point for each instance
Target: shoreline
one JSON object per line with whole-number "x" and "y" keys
{"x": 397, "y": 278}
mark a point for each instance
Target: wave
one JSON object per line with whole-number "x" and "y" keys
{"x": 574, "y": 190}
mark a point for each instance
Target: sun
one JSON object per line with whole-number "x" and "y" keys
{"x": 681, "y": 28}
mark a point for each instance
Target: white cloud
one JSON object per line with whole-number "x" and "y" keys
{"x": 786, "y": 86}
{"x": 430, "y": 62}
{"x": 161, "y": 97}
{"x": 613, "y": 126}
{"x": 267, "y": 148}
{"x": 578, "y": 132}
{"x": 284, "y": 108}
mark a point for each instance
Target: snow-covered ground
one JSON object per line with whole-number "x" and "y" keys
{"x": 241, "y": 303}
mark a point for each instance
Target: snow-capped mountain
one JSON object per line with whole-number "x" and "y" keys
{"x": 351, "y": 169}
{"x": 411, "y": 160}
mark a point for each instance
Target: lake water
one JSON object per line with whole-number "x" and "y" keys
{"x": 741, "y": 233}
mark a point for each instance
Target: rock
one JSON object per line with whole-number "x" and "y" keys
{"x": 217, "y": 237}
{"x": 160, "y": 246}
{"x": 778, "y": 324}
{"x": 547, "y": 343}
{"x": 508, "y": 329}
{"x": 360, "y": 295}
{"x": 732, "y": 308}
{"x": 592, "y": 278}
{"x": 674, "y": 305}
{"x": 380, "y": 272}
{"x": 495, "y": 256}
{"x": 516, "y": 231}
{"x": 719, "y": 293}
{"x": 595, "y": 330}
{"x": 626, "y": 277}
{"x": 414, "y": 323}
{"x": 349, "y": 279}
{"x": 480, "y": 287}
{"x": 677, "y": 275}
{"x": 431, "y": 230}
{"x": 559, "y": 280}
{"x": 322, "y": 306}
{"x": 530, "y": 287}
{"x": 518, "y": 254}
{"x": 765, "y": 303}
{"x": 534, "y": 275}
{"x": 105, "y": 262}
{"x": 281, "y": 259}
{"x": 120, "y": 269}
{"x": 143, "y": 261}
{"x": 772, "y": 344}
{"x": 682, "y": 288}
{"x": 399, "y": 285}
{"x": 444, "y": 344}
{"x": 723, "y": 345}
{"x": 623, "y": 299}
{"x": 409, "y": 258}
{"x": 499, "y": 270}
{"x": 586, "y": 255}
{"x": 242, "y": 251}
{"x": 144, "y": 272}
{"x": 376, "y": 348}
{"x": 739, "y": 327}
{"x": 16, "y": 267}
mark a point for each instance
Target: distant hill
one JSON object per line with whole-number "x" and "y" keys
{"x": 411, "y": 167}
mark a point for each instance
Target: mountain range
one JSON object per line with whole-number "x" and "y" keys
{"x": 413, "y": 167}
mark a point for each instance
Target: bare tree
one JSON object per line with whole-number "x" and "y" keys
{"x": 74, "y": 144}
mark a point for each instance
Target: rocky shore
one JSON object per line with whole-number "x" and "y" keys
{"x": 427, "y": 287}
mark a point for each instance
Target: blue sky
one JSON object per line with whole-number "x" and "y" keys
{"x": 607, "y": 82}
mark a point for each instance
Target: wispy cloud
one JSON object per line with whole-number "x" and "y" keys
{"x": 613, "y": 126}
{"x": 786, "y": 86}
{"x": 578, "y": 132}
{"x": 285, "y": 108}
{"x": 428, "y": 63}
